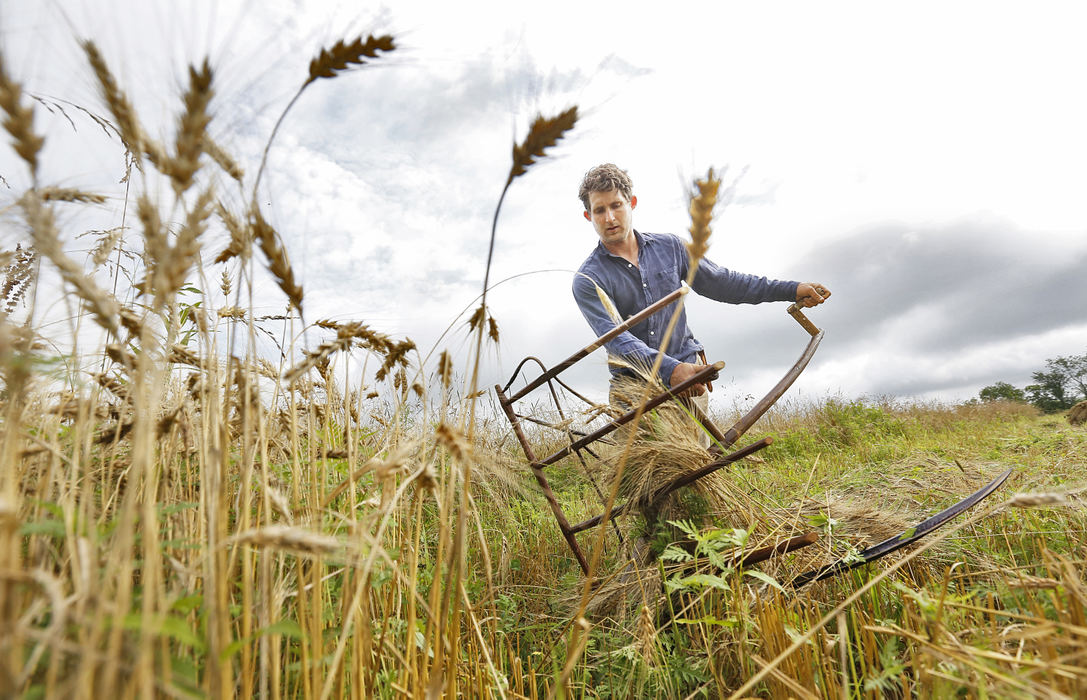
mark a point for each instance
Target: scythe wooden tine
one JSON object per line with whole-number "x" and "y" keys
{"x": 599, "y": 342}
{"x": 718, "y": 437}
{"x": 678, "y": 483}
{"x": 691, "y": 477}
{"x": 541, "y": 479}
{"x": 763, "y": 553}
{"x": 705, "y": 374}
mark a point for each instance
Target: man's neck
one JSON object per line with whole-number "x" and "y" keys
{"x": 626, "y": 249}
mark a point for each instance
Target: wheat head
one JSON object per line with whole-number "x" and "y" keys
{"x": 341, "y": 56}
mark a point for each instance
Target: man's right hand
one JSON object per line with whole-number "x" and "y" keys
{"x": 683, "y": 372}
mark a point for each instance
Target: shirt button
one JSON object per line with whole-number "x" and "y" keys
{"x": 652, "y": 333}
{"x": 644, "y": 284}
{"x": 630, "y": 265}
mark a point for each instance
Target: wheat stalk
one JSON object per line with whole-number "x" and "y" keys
{"x": 1036, "y": 500}
{"x": 607, "y": 303}
{"x": 288, "y": 538}
{"x": 543, "y": 134}
{"x": 395, "y": 354}
{"x": 106, "y": 245}
{"x": 455, "y": 442}
{"x": 346, "y": 336}
{"x": 445, "y": 368}
{"x": 223, "y": 159}
{"x": 186, "y": 246}
{"x": 65, "y": 194}
{"x": 327, "y": 64}
{"x": 19, "y": 121}
{"x": 224, "y": 284}
{"x": 17, "y": 277}
{"x": 156, "y": 246}
{"x": 47, "y": 241}
{"x": 234, "y": 312}
{"x": 241, "y": 237}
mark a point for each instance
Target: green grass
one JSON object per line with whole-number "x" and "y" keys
{"x": 900, "y": 459}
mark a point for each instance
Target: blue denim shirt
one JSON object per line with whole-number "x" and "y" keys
{"x": 662, "y": 265}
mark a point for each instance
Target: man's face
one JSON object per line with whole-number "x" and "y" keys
{"x": 611, "y": 215}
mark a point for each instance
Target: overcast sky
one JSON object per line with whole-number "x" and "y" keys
{"x": 927, "y": 161}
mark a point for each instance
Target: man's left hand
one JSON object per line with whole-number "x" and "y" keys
{"x": 809, "y": 294}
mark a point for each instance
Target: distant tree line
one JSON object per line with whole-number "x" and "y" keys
{"x": 1061, "y": 385}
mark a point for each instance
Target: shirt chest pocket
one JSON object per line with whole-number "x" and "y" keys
{"x": 664, "y": 280}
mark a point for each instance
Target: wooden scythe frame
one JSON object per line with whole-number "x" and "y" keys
{"x": 723, "y": 440}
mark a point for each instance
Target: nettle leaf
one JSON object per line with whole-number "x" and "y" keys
{"x": 53, "y": 508}
{"x": 686, "y": 527}
{"x": 708, "y": 620}
{"x": 174, "y": 628}
{"x": 738, "y": 536}
{"x": 177, "y": 629}
{"x": 765, "y": 578}
{"x": 822, "y": 520}
{"x": 178, "y": 507}
{"x": 285, "y": 627}
{"x": 52, "y": 528}
{"x": 188, "y": 603}
{"x": 853, "y": 556}
{"x": 674, "y": 553}
{"x": 700, "y": 581}
{"x": 717, "y": 560}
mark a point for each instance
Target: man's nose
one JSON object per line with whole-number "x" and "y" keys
{"x": 609, "y": 215}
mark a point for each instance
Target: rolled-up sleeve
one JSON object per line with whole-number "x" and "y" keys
{"x": 721, "y": 284}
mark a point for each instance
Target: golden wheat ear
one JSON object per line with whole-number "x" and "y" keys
{"x": 241, "y": 236}
{"x": 607, "y": 303}
{"x": 19, "y": 121}
{"x": 544, "y": 134}
{"x": 278, "y": 263}
{"x": 123, "y": 113}
{"x": 223, "y": 159}
{"x": 46, "y": 238}
{"x": 330, "y": 62}
{"x": 701, "y": 208}
{"x": 191, "y": 128}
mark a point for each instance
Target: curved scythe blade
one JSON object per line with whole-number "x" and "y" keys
{"x": 898, "y": 542}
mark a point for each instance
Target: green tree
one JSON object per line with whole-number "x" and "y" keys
{"x": 1001, "y": 391}
{"x": 1061, "y": 385}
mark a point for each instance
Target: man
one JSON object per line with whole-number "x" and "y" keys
{"x": 636, "y": 269}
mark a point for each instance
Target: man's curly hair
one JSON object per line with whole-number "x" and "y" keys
{"x": 605, "y": 178}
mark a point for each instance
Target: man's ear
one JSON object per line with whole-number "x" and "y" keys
{"x": 633, "y": 201}
{"x": 587, "y": 217}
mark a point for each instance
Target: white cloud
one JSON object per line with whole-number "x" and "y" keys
{"x": 854, "y": 119}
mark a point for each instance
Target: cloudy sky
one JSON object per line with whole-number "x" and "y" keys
{"x": 927, "y": 161}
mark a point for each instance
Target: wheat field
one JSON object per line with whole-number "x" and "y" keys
{"x": 181, "y": 516}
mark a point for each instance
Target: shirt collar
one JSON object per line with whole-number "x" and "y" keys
{"x": 637, "y": 236}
